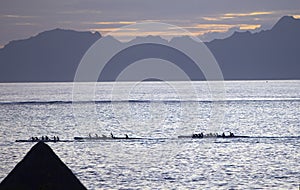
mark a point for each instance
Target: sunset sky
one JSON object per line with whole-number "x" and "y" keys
{"x": 21, "y": 19}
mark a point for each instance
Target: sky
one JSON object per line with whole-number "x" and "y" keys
{"x": 20, "y": 19}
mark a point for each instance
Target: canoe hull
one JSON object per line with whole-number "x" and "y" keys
{"x": 213, "y": 137}
{"x": 104, "y": 138}
{"x": 42, "y": 141}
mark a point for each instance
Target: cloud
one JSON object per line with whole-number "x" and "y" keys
{"x": 200, "y": 29}
{"x": 114, "y": 22}
{"x": 296, "y": 16}
{"x": 82, "y": 11}
{"x": 107, "y": 30}
{"x": 25, "y": 24}
{"x": 127, "y": 34}
{"x": 120, "y": 26}
{"x": 15, "y": 16}
{"x": 237, "y": 15}
{"x": 211, "y": 18}
{"x": 218, "y": 18}
{"x": 249, "y": 26}
{"x": 172, "y": 31}
{"x": 108, "y": 15}
{"x": 211, "y": 26}
{"x": 117, "y": 23}
{"x": 226, "y": 27}
{"x": 248, "y": 14}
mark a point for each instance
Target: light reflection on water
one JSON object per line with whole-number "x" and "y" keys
{"x": 165, "y": 163}
{"x": 235, "y": 163}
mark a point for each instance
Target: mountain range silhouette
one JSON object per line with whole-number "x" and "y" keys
{"x": 270, "y": 54}
{"x": 53, "y": 56}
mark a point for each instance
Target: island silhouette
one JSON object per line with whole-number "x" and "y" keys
{"x": 53, "y": 56}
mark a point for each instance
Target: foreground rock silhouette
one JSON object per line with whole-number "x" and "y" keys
{"x": 41, "y": 169}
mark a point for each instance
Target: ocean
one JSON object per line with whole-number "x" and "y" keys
{"x": 158, "y": 112}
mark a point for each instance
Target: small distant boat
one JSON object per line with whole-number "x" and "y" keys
{"x": 126, "y": 138}
{"x": 205, "y": 136}
{"x": 91, "y": 138}
{"x": 39, "y": 140}
{"x": 104, "y": 138}
{"x": 43, "y": 139}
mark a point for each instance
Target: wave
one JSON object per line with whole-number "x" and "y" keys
{"x": 143, "y": 101}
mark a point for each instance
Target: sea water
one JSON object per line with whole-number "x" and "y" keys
{"x": 268, "y": 111}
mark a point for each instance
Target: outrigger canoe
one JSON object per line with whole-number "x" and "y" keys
{"x": 50, "y": 140}
{"x": 209, "y": 136}
{"x": 104, "y": 138}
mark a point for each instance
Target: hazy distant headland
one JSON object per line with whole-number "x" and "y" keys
{"x": 53, "y": 56}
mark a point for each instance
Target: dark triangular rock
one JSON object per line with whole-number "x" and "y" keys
{"x": 41, "y": 169}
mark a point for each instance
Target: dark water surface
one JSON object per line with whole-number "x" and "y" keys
{"x": 159, "y": 112}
